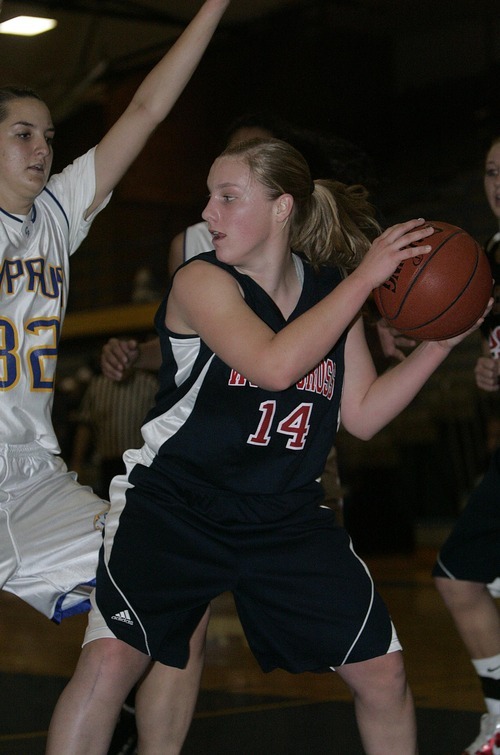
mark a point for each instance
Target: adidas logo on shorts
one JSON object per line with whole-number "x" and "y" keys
{"x": 123, "y": 616}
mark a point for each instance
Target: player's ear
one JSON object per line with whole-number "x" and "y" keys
{"x": 283, "y": 207}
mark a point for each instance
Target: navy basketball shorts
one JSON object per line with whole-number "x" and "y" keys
{"x": 472, "y": 550}
{"x": 305, "y": 600}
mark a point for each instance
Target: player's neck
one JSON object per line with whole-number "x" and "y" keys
{"x": 15, "y": 205}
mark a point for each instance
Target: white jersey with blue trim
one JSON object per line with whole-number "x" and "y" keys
{"x": 34, "y": 279}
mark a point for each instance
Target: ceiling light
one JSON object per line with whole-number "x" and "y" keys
{"x": 27, "y": 26}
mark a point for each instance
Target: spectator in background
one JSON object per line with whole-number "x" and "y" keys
{"x": 487, "y": 370}
{"x": 467, "y": 572}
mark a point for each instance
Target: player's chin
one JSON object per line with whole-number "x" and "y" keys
{"x": 37, "y": 182}
{"x": 223, "y": 254}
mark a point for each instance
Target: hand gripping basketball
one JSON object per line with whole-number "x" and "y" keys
{"x": 439, "y": 295}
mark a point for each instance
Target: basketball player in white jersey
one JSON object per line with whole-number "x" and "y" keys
{"x": 50, "y": 527}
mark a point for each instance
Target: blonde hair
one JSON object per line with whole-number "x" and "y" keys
{"x": 331, "y": 223}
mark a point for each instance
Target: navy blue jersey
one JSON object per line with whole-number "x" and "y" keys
{"x": 224, "y": 496}
{"x": 211, "y": 426}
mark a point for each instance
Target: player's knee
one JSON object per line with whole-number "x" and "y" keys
{"x": 115, "y": 660}
{"x": 391, "y": 676}
{"x": 459, "y": 594}
{"x": 378, "y": 682}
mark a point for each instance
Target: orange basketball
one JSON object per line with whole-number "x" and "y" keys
{"x": 438, "y": 295}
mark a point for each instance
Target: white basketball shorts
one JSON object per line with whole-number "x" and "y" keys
{"x": 50, "y": 531}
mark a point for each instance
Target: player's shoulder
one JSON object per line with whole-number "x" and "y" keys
{"x": 198, "y": 264}
{"x": 200, "y": 269}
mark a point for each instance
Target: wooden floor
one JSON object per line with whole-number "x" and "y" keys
{"x": 440, "y": 672}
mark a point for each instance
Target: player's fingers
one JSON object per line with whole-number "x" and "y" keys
{"x": 402, "y": 342}
{"x": 112, "y": 369}
{"x": 487, "y": 384}
{"x": 409, "y": 230}
{"x": 480, "y": 321}
{"x": 116, "y": 352}
{"x": 402, "y": 227}
{"x": 486, "y": 370}
{"x": 412, "y": 240}
{"x": 111, "y": 364}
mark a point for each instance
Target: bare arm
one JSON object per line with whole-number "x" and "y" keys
{"x": 370, "y": 402}
{"x": 206, "y": 300}
{"x": 153, "y": 100}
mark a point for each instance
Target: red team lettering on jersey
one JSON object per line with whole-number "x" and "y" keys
{"x": 494, "y": 342}
{"x": 321, "y": 380}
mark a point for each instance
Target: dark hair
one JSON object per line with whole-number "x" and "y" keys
{"x": 277, "y": 127}
{"x": 328, "y": 156}
{"x": 493, "y": 141}
{"x": 331, "y": 223}
{"x": 11, "y": 93}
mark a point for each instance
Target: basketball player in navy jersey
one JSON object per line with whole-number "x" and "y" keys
{"x": 263, "y": 353}
{"x": 50, "y": 526}
{"x": 467, "y": 571}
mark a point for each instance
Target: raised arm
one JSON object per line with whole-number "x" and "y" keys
{"x": 153, "y": 100}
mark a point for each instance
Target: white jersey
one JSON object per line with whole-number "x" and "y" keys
{"x": 197, "y": 239}
{"x": 34, "y": 279}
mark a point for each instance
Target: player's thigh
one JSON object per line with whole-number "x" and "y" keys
{"x": 308, "y": 603}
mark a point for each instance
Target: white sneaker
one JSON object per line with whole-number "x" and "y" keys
{"x": 488, "y": 740}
